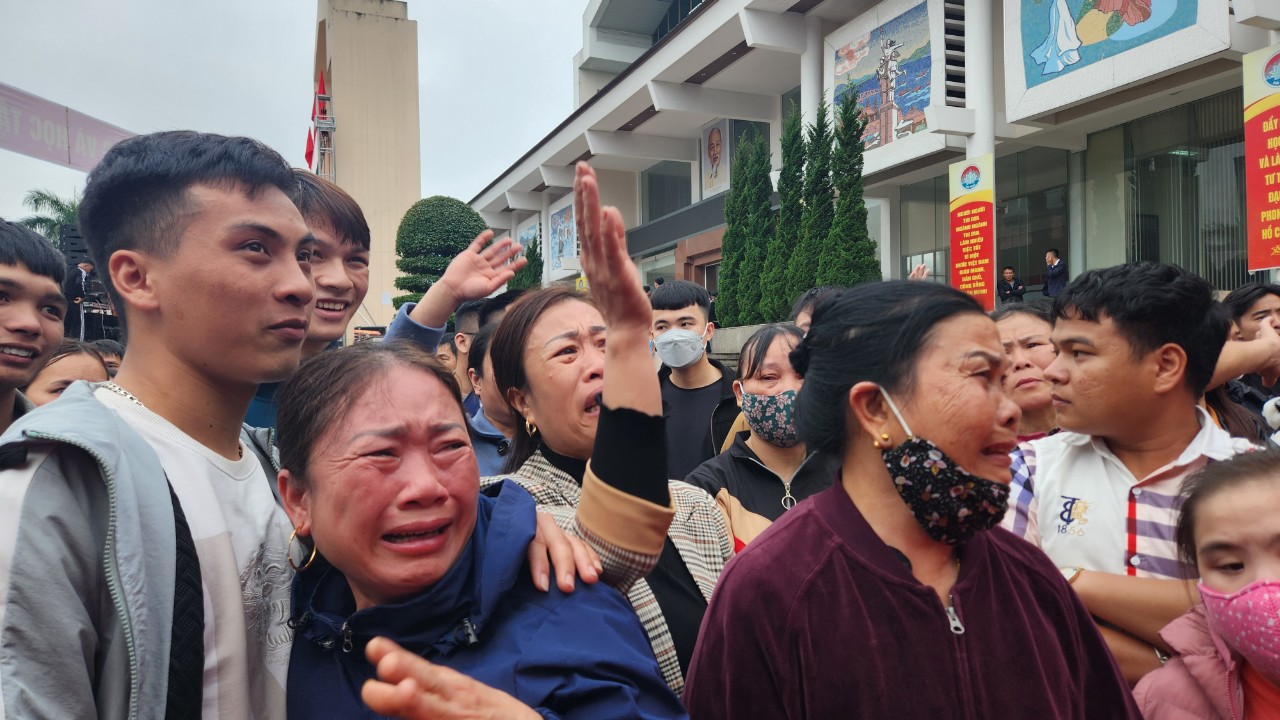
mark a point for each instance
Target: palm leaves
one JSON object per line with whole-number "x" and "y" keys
{"x": 52, "y": 212}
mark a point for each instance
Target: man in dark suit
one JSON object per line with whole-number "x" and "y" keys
{"x": 1011, "y": 288}
{"x": 1055, "y": 273}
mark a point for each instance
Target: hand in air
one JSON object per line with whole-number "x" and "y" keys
{"x": 478, "y": 271}
{"x": 920, "y": 272}
{"x": 615, "y": 282}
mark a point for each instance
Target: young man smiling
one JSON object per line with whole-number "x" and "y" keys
{"x": 31, "y": 313}
{"x": 136, "y": 534}
{"x": 1137, "y": 346}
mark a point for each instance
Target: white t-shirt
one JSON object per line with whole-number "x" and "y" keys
{"x": 240, "y": 536}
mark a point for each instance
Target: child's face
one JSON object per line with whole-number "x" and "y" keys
{"x": 1237, "y": 534}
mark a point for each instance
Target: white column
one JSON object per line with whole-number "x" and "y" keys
{"x": 979, "y": 76}
{"x": 811, "y": 61}
{"x": 544, "y": 222}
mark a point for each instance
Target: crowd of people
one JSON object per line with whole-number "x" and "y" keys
{"x": 556, "y": 504}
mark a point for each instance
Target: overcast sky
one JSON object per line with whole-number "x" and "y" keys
{"x": 495, "y": 77}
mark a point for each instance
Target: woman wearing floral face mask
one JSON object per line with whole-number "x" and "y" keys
{"x": 766, "y": 470}
{"x": 897, "y": 578}
{"x": 1228, "y": 661}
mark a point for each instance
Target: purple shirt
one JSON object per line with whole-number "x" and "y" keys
{"x": 819, "y": 618}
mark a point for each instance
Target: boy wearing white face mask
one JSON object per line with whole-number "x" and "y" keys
{"x": 697, "y": 392}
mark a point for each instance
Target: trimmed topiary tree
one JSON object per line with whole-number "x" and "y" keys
{"x": 848, "y": 256}
{"x": 757, "y": 209}
{"x": 775, "y": 295}
{"x": 818, "y": 212}
{"x": 433, "y": 231}
{"x": 529, "y": 276}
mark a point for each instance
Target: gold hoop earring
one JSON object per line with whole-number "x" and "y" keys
{"x": 530, "y": 428}
{"x": 289, "y": 553}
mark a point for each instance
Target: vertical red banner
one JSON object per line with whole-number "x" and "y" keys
{"x": 1262, "y": 156}
{"x": 973, "y": 232}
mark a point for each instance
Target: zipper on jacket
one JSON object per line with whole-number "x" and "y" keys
{"x": 347, "y": 644}
{"x": 956, "y": 626}
{"x": 468, "y": 631}
{"x": 114, "y": 586}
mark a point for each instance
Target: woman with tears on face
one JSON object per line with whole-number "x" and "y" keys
{"x": 894, "y": 593}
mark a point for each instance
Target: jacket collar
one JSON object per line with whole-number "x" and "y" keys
{"x": 725, "y": 382}
{"x": 1207, "y": 658}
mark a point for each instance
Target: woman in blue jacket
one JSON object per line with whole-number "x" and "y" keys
{"x": 379, "y": 474}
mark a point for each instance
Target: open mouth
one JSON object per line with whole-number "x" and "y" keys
{"x": 332, "y": 305}
{"x": 400, "y": 538}
{"x": 17, "y": 351}
{"x": 592, "y": 407}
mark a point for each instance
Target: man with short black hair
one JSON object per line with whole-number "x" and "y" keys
{"x": 31, "y": 275}
{"x": 138, "y": 537}
{"x": 1010, "y": 287}
{"x": 1055, "y": 273}
{"x": 697, "y": 392}
{"x": 1137, "y": 346}
{"x": 495, "y": 308}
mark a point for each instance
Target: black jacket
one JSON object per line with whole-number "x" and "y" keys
{"x": 1011, "y": 292}
{"x": 726, "y": 410}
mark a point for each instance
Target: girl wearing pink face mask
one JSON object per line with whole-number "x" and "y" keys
{"x": 1228, "y": 661}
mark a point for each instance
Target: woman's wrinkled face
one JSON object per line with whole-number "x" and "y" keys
{"x": 391, "y": 488}
{"x": 1236, "y": 544}
{"x": 958, "y": 402}
{"x": 564, "y": 364}
{"x": 57, "y": 375}
{"x": 1026, "y": 344}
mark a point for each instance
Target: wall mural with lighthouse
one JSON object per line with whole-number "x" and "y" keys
{"x": 887, "y": 72}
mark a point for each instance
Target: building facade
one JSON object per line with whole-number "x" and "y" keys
{"x": 1117, "y": 127}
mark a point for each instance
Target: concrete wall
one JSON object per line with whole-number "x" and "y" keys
{"x": 369, "y": 55}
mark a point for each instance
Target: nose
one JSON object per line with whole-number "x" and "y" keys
{"x": 24, "y": 319}
{"x": 594, "y": 364}
{"x": 1008, "y": 413}
{"x": 331, "y": 276}
{"x": 421, "y": 482}
{"x": 295, "y": 286}
{"x": 1019, "y": 358}
{"x": 1056, "y": 373}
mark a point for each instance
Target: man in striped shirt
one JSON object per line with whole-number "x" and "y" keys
{"x": 1137, "y": 345}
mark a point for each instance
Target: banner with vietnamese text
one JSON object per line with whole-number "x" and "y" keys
{"x": 973, "y": 232}
{"x": 1262, "y": 156}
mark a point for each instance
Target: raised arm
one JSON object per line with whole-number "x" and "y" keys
{"x": 473, "y": 274}
{"x": 1260, "y": 355}
{"x": 625, "y": 508}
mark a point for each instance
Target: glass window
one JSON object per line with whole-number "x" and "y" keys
{"x": 664, "y": 189}
{"x": 790, "y": 99}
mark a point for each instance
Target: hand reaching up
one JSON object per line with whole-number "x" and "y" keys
{"x": 473, "y": 274}
{"x": 615, "y": 281}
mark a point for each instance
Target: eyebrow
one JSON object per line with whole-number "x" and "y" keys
{"x": 1074, "y": 340}
{"x": 573, "y": 334}
{"x": 401, "y": 430}
{"x": 1220, "y": 546}
{"x": 997, "y": 359}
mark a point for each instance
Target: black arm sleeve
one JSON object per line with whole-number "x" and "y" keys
{"x": 630, "y": 453}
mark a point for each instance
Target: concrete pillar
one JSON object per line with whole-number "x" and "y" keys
{"x": 544, "y": 227}
{"x": 811, "y": 63}
{"x": 979, "y": 76}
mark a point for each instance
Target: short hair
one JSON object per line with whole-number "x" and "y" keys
{"x": 871, "y": 332}
{"x": 323, "y": 202}
{"x": 758, "y": 345}
{"x": 20, "y": 245}
{"x": 137, "y": 197}
{"x": 479, "y": 347}
{"x": 1153, "y": 304}
{"x": 1211, "y": 480}
{"x": 322, "y": 391}
{"x": 448, "y": 341}
{"x": 67, "y": 348}
{"x": 811, "y": 297}
{"x": 1055, "y": 252}
{"x": 498, "y": 303}
{"x": 1239, "y": 301}
{"x": 658, "y": 281}
{"x": 1007, "y": 267}
{"x": 680, "y": 294}
{"x": 468, "y": 309}
{"x": 106, "y": 346}
{"x": 1041, "y": 309}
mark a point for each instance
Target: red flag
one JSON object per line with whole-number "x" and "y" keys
{"x": 311, "y": 134}
{"x": 311, "y": 145}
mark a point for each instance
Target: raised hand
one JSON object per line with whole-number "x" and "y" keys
{"x": 920, "y": 272}
{"x": 1267, "y": 335}
{"x": 472, "y": 274}
{"x": 615, "y": 281}
{"x": 412, "y": 688}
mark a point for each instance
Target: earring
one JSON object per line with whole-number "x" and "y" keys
{"x": 530, "y": 428}
{"x": 289, "y": 553}
{"x": 877, "y": 444}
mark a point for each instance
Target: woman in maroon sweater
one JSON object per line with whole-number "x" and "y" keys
{"x": 895, "y": 594}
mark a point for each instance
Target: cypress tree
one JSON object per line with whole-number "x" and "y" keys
{"x": 756, "y": 206}
{"x": 776, "y": 294}
{"x": 818, "y": 212}
{"x": 734, "y": 241}
{"x": 848, "y": 256}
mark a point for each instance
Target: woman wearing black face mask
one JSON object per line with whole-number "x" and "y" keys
{"x": 894, "y": 593}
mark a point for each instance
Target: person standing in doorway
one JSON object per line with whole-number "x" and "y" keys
{"x": 1011, "y": 288}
